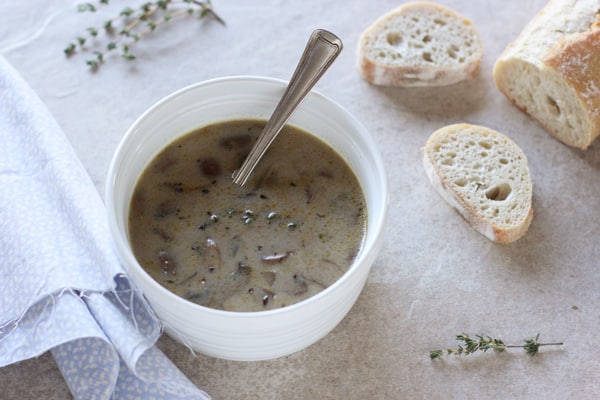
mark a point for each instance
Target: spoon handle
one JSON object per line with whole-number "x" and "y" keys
{"x": 321, "y": 50}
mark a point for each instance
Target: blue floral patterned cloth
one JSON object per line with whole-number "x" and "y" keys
{"x": 62, "y": 288}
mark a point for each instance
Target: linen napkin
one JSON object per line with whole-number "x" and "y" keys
{"x": 62, "y": 287}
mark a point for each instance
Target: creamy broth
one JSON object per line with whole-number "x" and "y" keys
{"x": 292, "y": 231}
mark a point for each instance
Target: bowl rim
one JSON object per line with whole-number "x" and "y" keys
{"x": 125, "y": 249}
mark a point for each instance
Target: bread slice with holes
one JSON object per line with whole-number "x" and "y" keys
{"x": 419, "y": 44}
{"x": 552, "y": 70}
{"x": 485, "y": 176}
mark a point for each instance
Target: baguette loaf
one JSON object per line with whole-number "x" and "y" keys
{"x": 552, "y": 70}
{"x": 419, "y": 44}
{"x": 485, "y": 176}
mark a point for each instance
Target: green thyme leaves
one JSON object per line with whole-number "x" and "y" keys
{"x": 120, "y": 33}
{"x": 469, "y": 345}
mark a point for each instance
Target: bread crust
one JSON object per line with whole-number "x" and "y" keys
{"x": 577, "y": 60}
{"x": 410, "y": 76}
{"x": 384, "y": 73}
{"x": 558, "y": 47}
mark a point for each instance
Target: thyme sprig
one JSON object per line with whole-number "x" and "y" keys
{"x": 131, "y": 25}
{"x": 485, "y": 343}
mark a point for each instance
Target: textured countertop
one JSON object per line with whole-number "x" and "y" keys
{"x": 435, "y": 278}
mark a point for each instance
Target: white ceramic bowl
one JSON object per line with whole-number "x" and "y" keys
{"x": 253, "y": 335}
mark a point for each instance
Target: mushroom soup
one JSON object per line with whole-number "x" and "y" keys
{"x": 292, "y": 231}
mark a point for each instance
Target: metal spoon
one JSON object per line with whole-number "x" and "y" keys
{"x": 321, "y": 50}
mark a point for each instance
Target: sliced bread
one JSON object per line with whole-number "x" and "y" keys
{"x": 485, "y": 176}
{"x": 419, "y": 44}
{"x": 552, "y": 70}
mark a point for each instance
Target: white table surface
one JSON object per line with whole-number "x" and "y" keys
{"x": 435, "y": 278}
